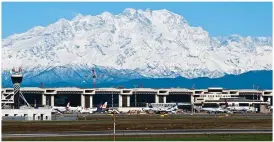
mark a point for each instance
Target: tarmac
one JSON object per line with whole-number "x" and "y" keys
{"x": 194, "y": 115}
{"x": 138, "y": 132}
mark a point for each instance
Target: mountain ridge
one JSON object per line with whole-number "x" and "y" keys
{"x": 263, "y": 79}
{"x": 135, "y": 43}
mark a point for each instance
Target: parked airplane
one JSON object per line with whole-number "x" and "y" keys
{"x": 241, "y": 108}
{"x": 215, "y": 110}
{"x": 150, "y": 108}
{"x": 100, "y": 108}
{"x": 161, "y": 109}
{"x": 61, "y": 109}
{"x": 74, "y": 109}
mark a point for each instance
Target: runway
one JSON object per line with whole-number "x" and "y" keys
{"x": 138, "y": 132}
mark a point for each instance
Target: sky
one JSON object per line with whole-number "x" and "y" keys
{"x": 219, "y": 19}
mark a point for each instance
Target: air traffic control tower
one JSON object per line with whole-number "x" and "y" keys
{"x": 16, "y": 77}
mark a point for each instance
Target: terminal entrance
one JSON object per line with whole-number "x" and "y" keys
{"x": 250, "y": 96}
{"x": 34, "y": 99}
{"x": 48, "y": 100}
{"x": 185, "y": 108}
{"x": 87, "y": 101}
{"x": 102, "y": 98}
{"x": 161, "y": 99}
{"x": 173, "y": 98}
{"x": 141, "y": 99}
{"x": 63, "y": 99}
{"x": 210, "y": 105}
{"x": 124, "y": 101}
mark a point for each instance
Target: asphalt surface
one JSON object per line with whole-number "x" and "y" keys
{"x": 138, "y": 132}
{"x": 186, "y": 114}
{"x": 195, "y": 115}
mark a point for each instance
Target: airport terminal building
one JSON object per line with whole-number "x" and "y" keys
{"x": 139, "y": 97}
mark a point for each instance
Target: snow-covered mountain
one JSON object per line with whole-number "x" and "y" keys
{"x": 132, "y": 44}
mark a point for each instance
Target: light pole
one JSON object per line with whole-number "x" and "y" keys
{"x": 112, "y": 98}
{"x": 253, "y": 98}
{"x": 257, "y": 92}
{"x": 114, "y": 126}
{"x": 135, "y": 95}
{"x": 258, "y": 95}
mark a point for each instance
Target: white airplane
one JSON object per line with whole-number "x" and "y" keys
{"x": 99, "y": 108}
{"x": 161, "y": 109}
{"x": 215, "y": 110}
{"x": 61, "y": 109}
{"x": 210, "y": 110}
{"x": 150, "y": 108}
{"x": 111, "y": 111}
{"x": 241, "y": 108}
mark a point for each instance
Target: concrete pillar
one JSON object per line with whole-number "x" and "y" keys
{"x": 44, "y": 101}
{"x": 52, "y": 100}
{"x": 120, "y": 100}
{"x": 156, "y": 99}
{"x": 90, "y": 101}
{"x": 83, "y": 100}
{"x": 128, "y": 101}
{"x": 261, "y": 97}
{"x": 164, "y": 99}
{"x": 192, "y": 99}
{"x": 135, "y": 99}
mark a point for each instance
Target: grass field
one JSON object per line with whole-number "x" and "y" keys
{"x": 94, "y": 123}
{"x": 191, "y": 137}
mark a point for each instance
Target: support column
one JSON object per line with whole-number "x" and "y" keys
{"x": 192, "y": 99}
{"x": 52, "y": 100}
{"x": 164, "y": 99}
{"x": 135, "y": 99}
{"x": 192, "y": 103}
{"x": 44, "y": 101}
{"x": 120, "y": 100}
{"x": 82, "y": 100}
{"x": 261, "y": 97}
{"x": 156, "y": 99}
{"x": 90, "y": 101}
{"x": 128, "y": 101}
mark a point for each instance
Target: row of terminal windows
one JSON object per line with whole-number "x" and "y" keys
{"x": 223, "y": 96}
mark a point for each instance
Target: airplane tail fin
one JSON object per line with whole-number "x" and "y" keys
{"x": 176, "y": 106}
{"x": 105, "y": 105}
{"x": 68, "y": 105}
{"x": 99, "y": 107}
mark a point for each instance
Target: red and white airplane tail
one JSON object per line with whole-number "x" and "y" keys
{"x": 68, "y": 105}
{"x": 105, "y": 105}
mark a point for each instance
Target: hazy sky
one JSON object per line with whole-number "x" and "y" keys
{"x": 219, "y": 19}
